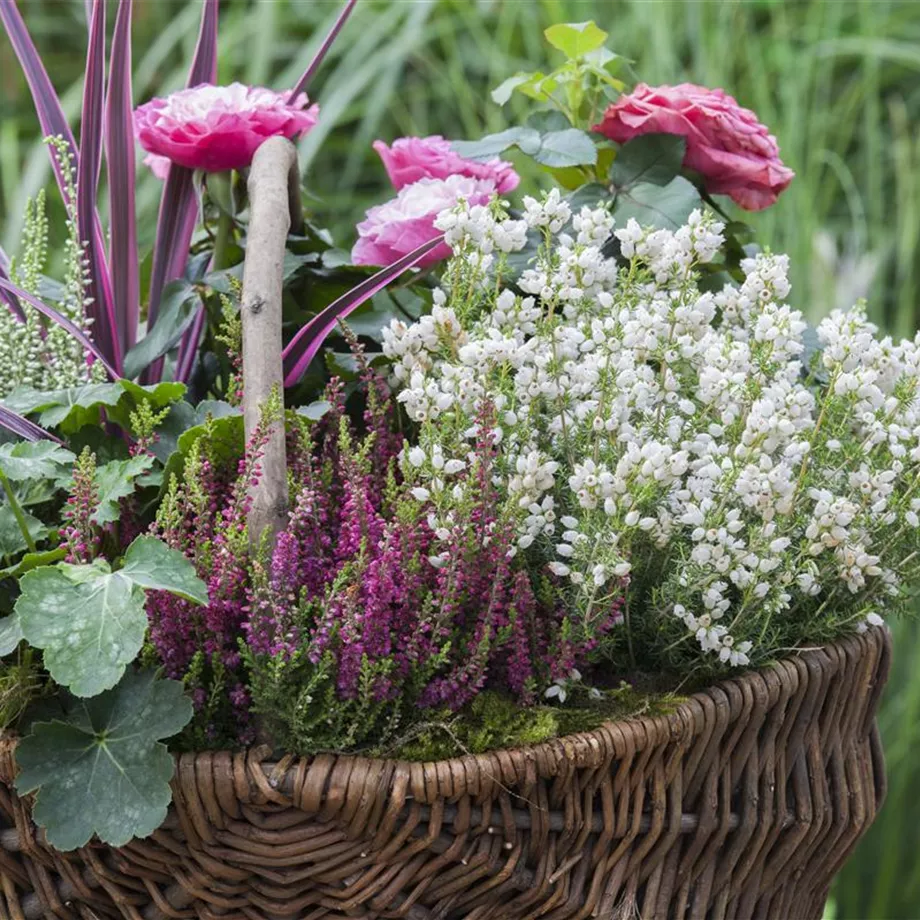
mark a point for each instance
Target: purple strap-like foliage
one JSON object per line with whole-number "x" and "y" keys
{"x": 62, "y": 321}
{"x": 302, "y": 349}
{"x": 23, "y": 428}
{"x": 52, "y": 120}
{"x": 179, "y": 206}
{"x": 101, "y": 308}
{"x": 316, "y": 63}
{"x": 5, "y": 296}
{"x": 119, "y": 138}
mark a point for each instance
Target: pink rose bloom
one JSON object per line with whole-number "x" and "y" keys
{"x": 392, "y": 230}
{"x": 216, "y": 128}
{"x": 726, "y": 144}
{"x": 158, "y": 165}
{"x": 414, "y": 158}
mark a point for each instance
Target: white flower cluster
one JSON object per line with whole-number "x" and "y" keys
{"x": 666, "y": 444}
{"x": 35, "y": 352}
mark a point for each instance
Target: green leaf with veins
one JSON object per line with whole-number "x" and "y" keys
{"x": 570, "y": 147}
{"x": 10, "y": 633}
{"x": 90, "y": 630}
{"x": 25, "y": 460}
{"x": 152, "y": 564}
{"x": 12, "y": 540}
{"x": 103, "y": 770}
{"x": 33, "y": 561}
{"x": 664, "y": 207}
{"x": 575, "y": 39}
{"x": 116, "y": 480}
{"x": 654, "y": 158}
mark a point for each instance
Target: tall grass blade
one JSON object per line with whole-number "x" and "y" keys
{"x": 302, "y": 349}
{"x": 119, "y": 155}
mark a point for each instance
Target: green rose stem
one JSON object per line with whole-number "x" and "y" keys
{"x": 17, "y": 512}
{"x": 274, "y": 204}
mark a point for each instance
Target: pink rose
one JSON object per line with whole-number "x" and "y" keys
{"x": 216, "y": 128}
{"x": 414, "y": 158}
{"x": 726, "y": 144}
{"x": 395, "y": 228}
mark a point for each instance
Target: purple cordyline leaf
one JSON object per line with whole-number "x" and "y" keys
{"x": 8, "y": 298}
{"x": 47, "y": 106}
{"x": 62, "y": 321}
{"x": 302, "y": 349}
{"x": 51, "y": 116}
{"x": 179, "y": 206}
{"x": 23, "y": 428}
{"x": 120, "y": 160}
{"x": 317, "y": 61}
{"x": 189, "y": 347}
{"x": 101, "y": 308}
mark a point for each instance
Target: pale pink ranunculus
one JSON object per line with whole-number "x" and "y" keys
{"x": 393, "y": 229}
{"x": 414, "y": 158}
{"x": 726, "y": 144}
{"x": 216, "y": 128}
{"x": 158, "y": 165}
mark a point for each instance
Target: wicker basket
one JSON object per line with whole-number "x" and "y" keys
{"x": 742, "y": 803}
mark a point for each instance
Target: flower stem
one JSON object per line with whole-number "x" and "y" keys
{"x": 222, "y": 238}
{"x": 17, "y": 512}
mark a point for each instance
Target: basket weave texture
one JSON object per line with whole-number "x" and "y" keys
{"x": 742, "y": 803}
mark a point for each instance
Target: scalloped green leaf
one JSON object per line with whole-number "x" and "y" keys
{"x": 10, "y": 633}
{"x": 90, "y": 629}
{"x": 103, "y": 770}
{"x": 117, "y": 480}
{"x": 25, "y": 460}
{"x": 152, "y": 564}
{"x": 12, "y": 540}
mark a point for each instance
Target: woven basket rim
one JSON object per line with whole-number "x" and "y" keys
{"x": 755, "y": 687}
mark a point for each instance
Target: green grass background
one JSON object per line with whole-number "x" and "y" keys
{"x": 837, "y": 81}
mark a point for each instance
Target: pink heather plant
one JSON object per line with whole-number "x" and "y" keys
{"x": 726, "y": 144}
{"x": 352, "y": 618}
{"x": 217, "y": 128}
{"x": 394, "y": 229}
{"x": 414, "y": 158}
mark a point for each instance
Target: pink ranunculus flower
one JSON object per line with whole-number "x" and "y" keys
{"x": 414, "y": 158}
{"x": 158, "y": 165}
{"x": 726, "y": 144}
{"x": 395, "y": 228}
{"x": 216, "y": 128}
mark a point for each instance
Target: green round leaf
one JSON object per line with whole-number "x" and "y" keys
{"x": 575, "y": 39}
{"x": 91, "y": 624}
{"x": 25, "y": 460}
{"x": 103, "y": 771}
{"x": 152, "y": 564}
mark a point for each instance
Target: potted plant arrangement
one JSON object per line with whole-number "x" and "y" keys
{"x": 537, "y": 570}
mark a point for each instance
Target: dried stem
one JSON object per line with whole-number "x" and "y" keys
{"x": 274, "y": 199}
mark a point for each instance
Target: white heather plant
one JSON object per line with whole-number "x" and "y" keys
{"x": 36, "y": 353}
{"x": 663, "y": 447}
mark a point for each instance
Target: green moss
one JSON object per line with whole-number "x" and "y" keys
{"x": 493, "y": 721}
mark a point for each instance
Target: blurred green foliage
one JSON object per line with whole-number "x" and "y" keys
{"x": 837, "y": 81}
